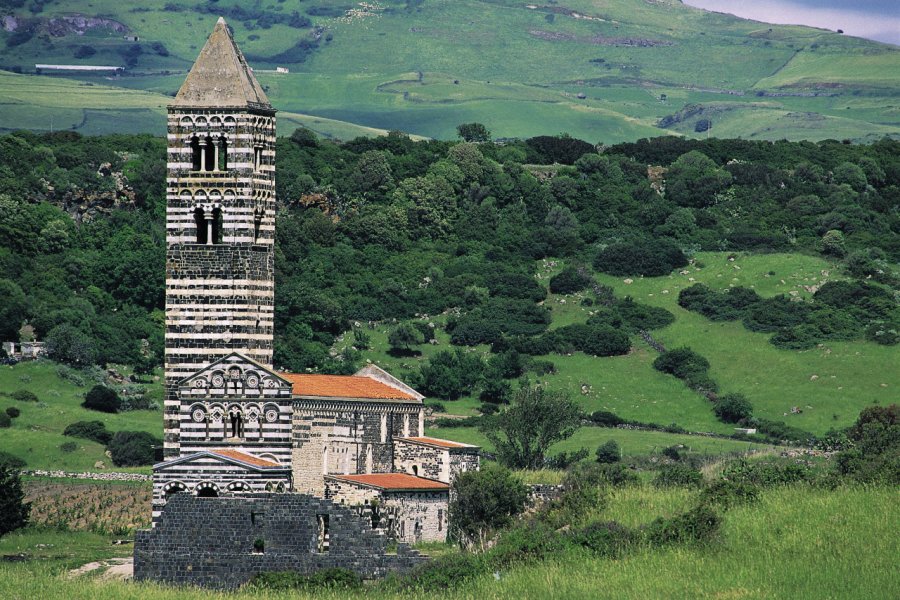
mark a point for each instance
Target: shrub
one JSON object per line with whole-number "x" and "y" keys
{"x": 13, "y": 412}
{"x": 609, "y": 453}
{"x": 11, "y": 461}
{"x": 678, "y": 476}
{"x": 700, "y": 524}
{"x": 5, "y": 420}
{"x": 68, "y": 447}
{"x": 89, "y": 430}
{"x": 609, "y": 539}
{"x": 569, "y": 280}
{"x": 24, "y": 396}
{"x": 642, "y": 316}
{"x": 605, "y": 418}
{"x": 726, "y": 494}
{"x": 564, "y": 460}
{"x": 14, "y": 511}
{"x": 766, "y": 474}
{"x": 132, "y": 448}
{"x": 102, "y": 399}
{"x": 650, "y": 258}
{"x": 526, "y": 542}
{"x": 483, "y": 502}
{"x": 331, "y": 578}
{"x": 446, "y": 571}
{"x": 732, "y": 408}
{"x": 686, "y": 364}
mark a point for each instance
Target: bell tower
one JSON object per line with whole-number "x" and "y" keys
{"x": 220, "y": 220}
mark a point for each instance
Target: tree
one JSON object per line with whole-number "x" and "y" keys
{"x": 68, "y": 344}
{"x": 13, "y": 307}
{"x": 132, "y": 448}
{"x": 732, "y": 408}
{"x": 483, "y": 502}
{"x": 14, "y": 510}
{"x": 609, "y": 453}
{"x": 102, "y": 399}
{"x": 403, "y": 336}
{"x": 473, "y": 132}
{"x": 535, "y": 420}
{"x": 695, "y": 179}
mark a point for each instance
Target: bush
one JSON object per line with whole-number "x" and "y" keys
{"x": 700, "y": 524}
{"x": 5, "y": 420}
{"x": 13, "y": 412}
{"x": 68, "y": 447}
{"x": 24, "y": 396}
{"x": 605, "y": 418}
{"x": 446, "y": 571}
{"x": 11, "y": 461}
{"x": 766, "y": 474}
{"x": 686, "y": 364}
{"x": 89, "y": 430}
{"x": 609, "y": 453}
{"x": 569, "y": 280}
{"x": 609, "y": 539}
{"x": 726, "y": 494}
{"x": 332, "y": 578}
{"x": 678, "y": 476}
{"x": 133, "y": 448}
{"x": 639, "y": 316}
{"x": 526, "y": 542}
{"x": 650, "y": 258}
{"x": 564, "y": 460}
{"x": 483, "y": 502}
{"x": 102, "y": 399}
{"x": 732, "y": 408}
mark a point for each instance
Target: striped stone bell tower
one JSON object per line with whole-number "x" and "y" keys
{"x": 220, "y": 220}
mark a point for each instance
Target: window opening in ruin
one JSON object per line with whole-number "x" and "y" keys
{"x": 324, "y": 536}
{"x": 259, "y": 546}
{"x": 416, "y": 470}
{"x": 237, "y": 423}
{"x": 440, "y": 519}
{"x": 195, "y": 154}
{"x": 200, "y": 221}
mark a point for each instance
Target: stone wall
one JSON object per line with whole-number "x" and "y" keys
{"x": 433, "y": 462}
{"x": 209, "y": 542}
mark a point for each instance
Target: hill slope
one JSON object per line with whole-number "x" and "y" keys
{"x": 605, "y": 71}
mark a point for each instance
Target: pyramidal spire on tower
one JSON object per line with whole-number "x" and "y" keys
{"x": 221, "y": 76}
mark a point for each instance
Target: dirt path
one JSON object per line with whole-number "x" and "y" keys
{"x": 113, "y": 568}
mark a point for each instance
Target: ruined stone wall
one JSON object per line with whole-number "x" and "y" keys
{"x": 209, "y": 542}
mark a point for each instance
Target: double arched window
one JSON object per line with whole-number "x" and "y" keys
{"x": 209, "y": 153}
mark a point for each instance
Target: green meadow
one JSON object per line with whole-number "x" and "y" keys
{"x": 602, "y": 72}
{"x": 796, "y": 542}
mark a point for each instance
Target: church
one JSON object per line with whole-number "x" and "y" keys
{"x": 236, "y": 430}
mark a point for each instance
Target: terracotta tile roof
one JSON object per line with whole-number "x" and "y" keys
{"x": 245, "y": 458}
{"x": 393, "y": 481}
{"x": 437, "y": 442}
{"x": 343, "y": 386}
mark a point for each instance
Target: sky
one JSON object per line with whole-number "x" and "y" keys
{"x": 873, "y": 19}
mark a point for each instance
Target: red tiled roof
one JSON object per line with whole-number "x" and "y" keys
{"x": 343, "y": 386}
{"x": 245, "y": 458}
{"x": 394, "y": 481}
{"x": 437, "y": 442}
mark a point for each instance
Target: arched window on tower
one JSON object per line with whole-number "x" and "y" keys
{"x": 196, "y": 154}
{"x": 209, "y": 152}
{"x": 216, "y": 225}
{"x": 200, "y": 221}
{"x": 223, "y": 154}
{"x": 257, "y": 222}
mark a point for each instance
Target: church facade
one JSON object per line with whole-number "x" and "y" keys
{"x": 234, "y": 427}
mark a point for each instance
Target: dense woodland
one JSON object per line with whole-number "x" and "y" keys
{"x": 387, "y": 228}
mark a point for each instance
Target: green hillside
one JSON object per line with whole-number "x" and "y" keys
{"x": 601, "y": 71}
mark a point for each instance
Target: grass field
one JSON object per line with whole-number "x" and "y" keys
{"x": 830, "y": 384}
{"x": 601, "y": 71}
{"x": 37, "y": 434}
{"x": 797, "y": 542}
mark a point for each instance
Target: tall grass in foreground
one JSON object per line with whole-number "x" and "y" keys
{"x": 796, "y": 542}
